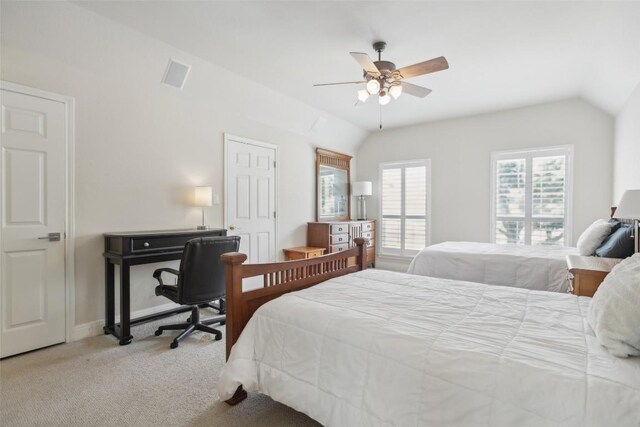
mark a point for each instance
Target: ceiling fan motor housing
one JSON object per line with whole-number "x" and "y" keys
{"x": 385, "y": 66}
{"x": 386, "y": 70}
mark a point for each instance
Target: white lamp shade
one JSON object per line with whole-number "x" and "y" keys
{"x": 203, "y": 196}
{"x": 629, "y": 206}
{"x": 361, "y": 188}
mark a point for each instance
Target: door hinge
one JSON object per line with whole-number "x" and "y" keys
{"x": 274, "y": 214}
{"x": 274, "y": 164}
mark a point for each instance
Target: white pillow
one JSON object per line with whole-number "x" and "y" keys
{"x": 614, "y": 314}
{"x": 593, "y": 236}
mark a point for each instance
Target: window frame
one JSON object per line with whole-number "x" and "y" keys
{"x": 529, "y": 154}
{"x": 403, "y": 164}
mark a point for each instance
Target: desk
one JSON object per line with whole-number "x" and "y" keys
{"x": 135, "y": 248}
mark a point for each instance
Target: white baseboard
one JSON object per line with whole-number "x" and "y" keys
{"x": 93, "y": 329}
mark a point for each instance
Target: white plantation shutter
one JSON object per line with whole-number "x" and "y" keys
{"x": 530, "y": 196}
{"x": 404, "y": 196}
{"x": 391, "y": 234}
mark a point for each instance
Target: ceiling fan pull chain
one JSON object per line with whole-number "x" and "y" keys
{"x": 380, "y": 117}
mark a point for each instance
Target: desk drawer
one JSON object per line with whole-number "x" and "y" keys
{"x": 367, "y": 226}
{"x": 142, "y": 244}
{"x": 339, "y": 238}
{"x": 368, "y": 234}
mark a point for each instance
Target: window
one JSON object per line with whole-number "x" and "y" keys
{"x": 404, "y": 207}
{"x": 530, "y": 197}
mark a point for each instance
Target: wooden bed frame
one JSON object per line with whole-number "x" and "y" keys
{"x": 278, "y": 279}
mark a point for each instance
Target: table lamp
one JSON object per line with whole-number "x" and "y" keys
{"x": 629, "y": 208}
{"x": 361, "y": 189}
{"x": 202, "y": 197}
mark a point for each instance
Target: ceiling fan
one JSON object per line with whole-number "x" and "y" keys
{"x": 385, "y": 80}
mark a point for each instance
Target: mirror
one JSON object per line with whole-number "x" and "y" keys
{"x": 333, "y": 190}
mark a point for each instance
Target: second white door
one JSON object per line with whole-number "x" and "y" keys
{"x": 250, "y": 202}
{"x": 32, "y": 207}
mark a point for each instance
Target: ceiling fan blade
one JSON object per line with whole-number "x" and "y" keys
{"x": 415, "y": 90}
{"x": 366, "y": 63}
{"x": 341, "y": 83}
{"x": 426, "y": 67}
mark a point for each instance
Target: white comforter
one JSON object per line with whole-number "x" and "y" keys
{"x": 531, "y": 267}
{"x": 383, "y": 348}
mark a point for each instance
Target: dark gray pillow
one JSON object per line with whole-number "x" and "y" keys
{"x": 614, "y": 224}
{"x": 619, "y": 244}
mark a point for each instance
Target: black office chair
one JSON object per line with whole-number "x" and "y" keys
{"x": 200, "y": 281}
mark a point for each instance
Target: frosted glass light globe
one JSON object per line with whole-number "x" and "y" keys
{"x": 373, "y": 86}
{"x": 363, "y": 95}
{"x": 395, "y": 91}
{"x": 384, "y": 99}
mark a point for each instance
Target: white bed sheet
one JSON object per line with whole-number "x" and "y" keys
{"x": 531, "y": 267}
{"x": 384, "y": 348}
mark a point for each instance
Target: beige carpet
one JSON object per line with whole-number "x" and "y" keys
{"x": 96, "y": 382}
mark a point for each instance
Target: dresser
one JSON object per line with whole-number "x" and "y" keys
{"x": 338, "y": 236}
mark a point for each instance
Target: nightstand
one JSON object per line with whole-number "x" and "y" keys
{"x": 302, "y": 252}
{"x": 587, "y": 272}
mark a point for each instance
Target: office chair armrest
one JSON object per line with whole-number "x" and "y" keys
{"x": 158, "y": 273}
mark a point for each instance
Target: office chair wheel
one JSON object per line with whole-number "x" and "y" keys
{"x": 218, "y": 338}
{"x": 158, "y": 332}
{"x": 223, "y": 323}
{"x": 174, "y": 344}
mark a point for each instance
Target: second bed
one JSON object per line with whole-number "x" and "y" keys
{"x": 541, "y": 268}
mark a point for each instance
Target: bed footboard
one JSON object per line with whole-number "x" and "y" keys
{"x": 278, "y": 279}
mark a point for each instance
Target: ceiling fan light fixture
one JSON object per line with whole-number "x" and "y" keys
{"x": 384, "y": 98}
{"x": 373, "y": 86}
{"x": 363, "y": 95}
{"x": 395, "y": 91}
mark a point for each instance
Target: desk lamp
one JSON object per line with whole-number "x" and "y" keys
{"x": 203, "y": 198}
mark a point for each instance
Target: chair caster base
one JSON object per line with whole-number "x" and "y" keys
{"x": 173, "y": 344}
{"x": 158, "y": 332}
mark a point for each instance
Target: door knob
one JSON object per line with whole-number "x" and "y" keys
{"x": 52, "y": 237}
{"x": 233, "y": 227}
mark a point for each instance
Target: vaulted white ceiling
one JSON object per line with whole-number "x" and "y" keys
{"x": 502, "y": 54}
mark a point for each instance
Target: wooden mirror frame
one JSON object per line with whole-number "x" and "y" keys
{"x": 338, "y": 161}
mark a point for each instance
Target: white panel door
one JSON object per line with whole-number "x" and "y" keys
{"x": 32, "y": 205}
{"x": 250, "y": 198}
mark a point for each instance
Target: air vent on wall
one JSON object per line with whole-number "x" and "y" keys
{"x": 176, "y": 74}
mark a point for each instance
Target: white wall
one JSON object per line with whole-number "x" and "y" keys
{"x": 460, "y": 153}
{"x": 141, "y": 146}
{"x": 626, "y": 153}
